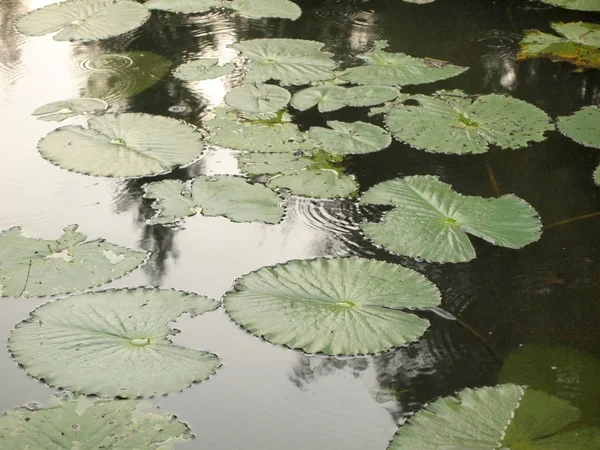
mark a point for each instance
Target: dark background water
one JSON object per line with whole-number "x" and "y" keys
{"x": 266, "y": 396}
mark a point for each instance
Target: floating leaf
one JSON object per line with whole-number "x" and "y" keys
{"x": 559, "y": 370}
{"x": 253, "y": 9}
{"x": 582, "y": 126}
{"x": 89, "y": 20}
{"x": 597, "y": 176}
{"x": 505, "y": 416}
{"x": 291, "y": 61}
{"x": 78, "y": 422}
{"x": 341, "y": 306}
{"x": 61, "y": 110}
{"x": 202, "y": 69}
{"x": 349, "y": 138}
{"x": 453, "y": 122}
{"x": 116, "y": 76}
{"x": 113, "y": 343}
{"x": 331, "y": 97}
{"x": 273, "y": 163}
{"x": 399, "y": 69}
{"x": 221, "y": 195}
{"x": 124, "y": 145}
{"x": 258, "y": 98}
{"x": 326, "y": 98}
{"x": 580, "y": 5}
{"x": 430, "y": 220}
{"x": 35, "y": 267}
{"x": 578, "y": 43}
{"x": 228, "y": 129}
{"x": 319, "y": 183}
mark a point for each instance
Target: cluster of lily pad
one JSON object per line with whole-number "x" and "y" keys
{"x": 335, "y": 306}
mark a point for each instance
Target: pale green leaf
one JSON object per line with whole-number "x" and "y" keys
{"x": 430, "y": 220}
{"x": 273, "y": 163}
{"x": 258, "y": 98}
{"x": 398, "y": 69}
{"x": 124, "y": 145}
{"x": 319, "y": 183}
{"x": 36, "y": 267}
{"x": 186, "y": 6}
{"x": 370, "y": 95}
{"x": 326, "y": 97}
{"x": 350, "y": 138}
{"x": 61, "y": 110}
{"x": 113, "y": 343}
{"x": 202, "y": 69}
{"x": 77, "y": 20}
{"x": 291, "y": 61}
{"x": 258, "y": 9}
{"x": 597, "y": 175}
{"x": 583, "y": 126}
{"x": 342, "y": 306}
{"x": 506, "y": 417}
{"x": 581, "y": 5}
{"x": 221, "y": 195}
{"x": 453, "y": 122}
{"x": 72, "y": 422}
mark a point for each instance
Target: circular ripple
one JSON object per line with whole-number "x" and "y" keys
{"x": 498, "y": 45}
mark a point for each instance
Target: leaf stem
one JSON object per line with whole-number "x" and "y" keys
{"x": 26, "y": 279}
{"x": 572, "y": 219}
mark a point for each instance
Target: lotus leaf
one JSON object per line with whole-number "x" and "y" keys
{"x": 113, "y": 343}
{"x": 398, "y": 69}
{"x": 291, "y": 61}
{"x": 77, "y": 20}
{"x": 202, "y": 69}
{"x": 578, "y": 43}
{"x": 258, "y": 98}
{"x": 72, "y": 422}
{"x": 559, "y": 370}
{"x": 253, "y": 9}
{"x": 230, "y": 130}
{"x": 220, "y": 195}
{"x": 430, "y": 220}
{"x": 581, "y": 5}
{"x": 341, "y": 306}
{"x": 115, "y": 76}
{"x": 349, "y": 138}
{"x": 330, "y": 97}
{"x": 453, "y": 122}
{"x": 61, "y": 110}
{"x": 506, "y": 416}
{"x": 35, "y": 267}
{"x": 125, "y": 145}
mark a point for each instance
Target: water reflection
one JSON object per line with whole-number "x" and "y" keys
{"x": 10, "y": 41}
{"x": 308, "y": 369}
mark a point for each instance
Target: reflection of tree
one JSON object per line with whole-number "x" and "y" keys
{"x": 10, "y": 38}
{"x": 309, "y": 368}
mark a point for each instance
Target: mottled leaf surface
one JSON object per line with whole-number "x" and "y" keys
{"x": 64, "y": 109}
{"x": 350, "y": 138}
{"x": 258, "y": 98}
{"x": 202, "y": 69}
{"x": 317, "y": 183}
{"x": 341, "y": 306}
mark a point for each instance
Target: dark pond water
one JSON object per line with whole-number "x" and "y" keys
{"x": 269, "y": 397}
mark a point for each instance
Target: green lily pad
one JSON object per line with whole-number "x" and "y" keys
{"x": 430, "y": 220}
{"x": 88, "y": 20}
{"x": 78, "y": 422}
{"x": 506, "y": 416}
{"x": 125, "y": 145}
{"x": 291, "y": 61}
{"x": 559, "y": 370}
{"x": 350, "y": 138}
{"x": 326, "y": 97}
{"x": 582, "y": 126}
{"x": 580, "y": 5}
{"x": 61, "y": 110}
{"x": 113, "y": 343}
{"x": 317, "y": 183}
{"x": 221, "y": 195}
{"x": 258, "y": 98}
{"x": 116, "y": 76}
{"x": 453, "y": 122}
{"x": 597, "y": 175}
{"x": 36, "y": 267}
{"x": 202, "y": 69}
{"x": 254, "y": 164}
{"x": 253, "y": 9}
{"x": 370, "y": 95}
{"x": 578, "y": 43}
{"x": 232, "y": 130}
{"x": 398, "y": 69}
{"x": 341, "y": 306}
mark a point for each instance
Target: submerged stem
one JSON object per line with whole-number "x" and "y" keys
{"x": 572, "y": 219}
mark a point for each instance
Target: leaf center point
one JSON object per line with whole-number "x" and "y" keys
{"x": 346, "y": 304}
{"x": 140, "y": 342}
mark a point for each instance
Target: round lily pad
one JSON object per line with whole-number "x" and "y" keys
{"x": 258, "y": 98}
{"x": 582, "y": 126}
{"x": 341, "y": 306}
{"x": 126, "y": 145}
{"x": 77, "y": 20}
{"x": 113, "y": 343}
{"x": 64, "y": 109}
{"x": 317, "y": 183}
{"x": 202, "y": 69}
{"x": 32, "y": 267}
{"x": 350, "y": 138}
